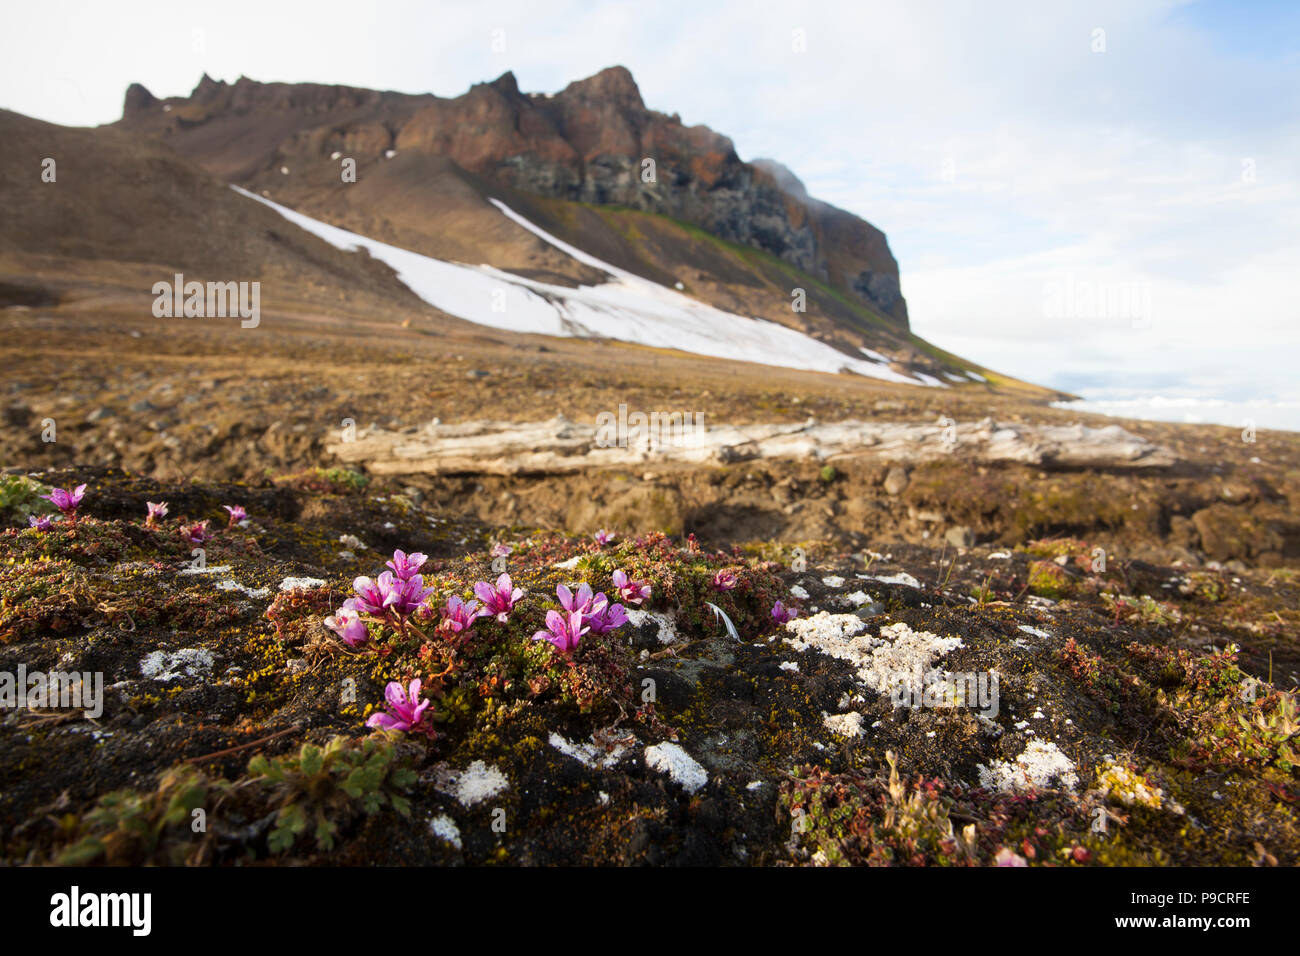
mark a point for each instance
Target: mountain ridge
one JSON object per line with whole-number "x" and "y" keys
{"x": 588, "y": 143}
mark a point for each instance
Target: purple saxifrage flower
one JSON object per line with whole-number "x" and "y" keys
{"x": 406, "y": 709}
{"x": 563, "y": 631}
{"x": 633, "y": 592}
{"x": 501, "y": 550}
{"x": 781, "y": 614}
{"x": 605, "y": 617}
{"x": 67, "y": 501}
{"x": 595, "y": 610}
{"x": 499, "y": 599}
{"x": 724, "y": 580}
{"x": 580, "y": 603}
{"x": 459, "y": 615}
{"x": 237, "y": 514}
{"x": 195, "y": 533}
{"x": 156, "y": 510}
{"x": 371, "y": 596}
{"x": 406, "y": 566}
{"x": 407, "y": 597}
{"x": 604, "y": 537}
{"x": 347, "y": 624}
{"x": 40, "y": 522}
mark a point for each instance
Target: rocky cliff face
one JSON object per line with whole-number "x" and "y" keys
{"x": 592, "y": 142}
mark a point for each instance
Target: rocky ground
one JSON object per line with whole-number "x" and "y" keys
{"x": 1036, "y": 704}
{"x": 997, "y": 658}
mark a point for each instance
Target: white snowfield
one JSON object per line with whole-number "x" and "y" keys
{"x": 627, "y": 307}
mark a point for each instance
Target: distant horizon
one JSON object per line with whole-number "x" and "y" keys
{"x": 1008, "y": 153}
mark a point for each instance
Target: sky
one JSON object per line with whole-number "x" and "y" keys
{"x": 1102, "y": 197}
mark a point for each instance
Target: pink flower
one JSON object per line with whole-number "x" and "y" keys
{"x": 595, "y": 611}
{"x": 67, "y": 501}
{"x": 406, "y": 566}
{"x": 237, "y": 514}
{"x": 633, "y": 592}
{"x": 605, "y": 617}
{"x": 406, "y": 597}
{"x": 724, "y": 580}
{"x": 406, "y": 709}
{"x": 347, "y": 624}
{"x": 604, "y": 537}
{"x": 371, "y": 595}
{"x": 501, "y": 550}
{"x": 576, "y": 603}
{"x": 563, "y": 631}
{"x": 156, "y": 510}
{"x": 196, "y": 533}
{"x": 40, "y": 522}
{"x": 499, "y": 600}
{"x": 781, "y": 614}
{"x": 459, "y": 615}
{"x": 1006, "y": 857}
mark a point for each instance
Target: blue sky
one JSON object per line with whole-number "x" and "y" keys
{"x": 1008, "y": 154}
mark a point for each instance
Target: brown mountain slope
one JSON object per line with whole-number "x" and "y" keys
{"x": 127, "y": 212}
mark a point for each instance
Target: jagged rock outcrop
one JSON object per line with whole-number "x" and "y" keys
{"x": 591, "y": 143}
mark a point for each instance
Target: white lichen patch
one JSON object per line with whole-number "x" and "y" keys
{"x": 444, "y": 828}
{"x": 1035, "y": 631}
{"x": 833, "y": 581}
{"x": 301, "y": 584}
{"x": 792, "y": 666}
{"x": 206, "y": 569}
{"x": 1037, "y": 767}
{"x": 846, "y": 725}
{"x": 230, "y": 584}
{"x": 899, "y": 656}
{"x": 799, "y": 592}
{"x": 352, "y": 542}
{"x": 680, "y": 766}
{"x": 667, "y": 626}
{"x": 594, "y": 754}
{"x": 902, "y": 577}
{"x": 170, "y": 665}
{"x": 858, "y": 598}
{"x": 478, "y": 782}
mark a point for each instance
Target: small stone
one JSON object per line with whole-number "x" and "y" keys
{"x": 896, "y": 481}
{"x": 960, "y": 536}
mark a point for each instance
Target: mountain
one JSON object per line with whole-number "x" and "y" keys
{"x": 588, "y": 143}
{"x": 738, "y": 236}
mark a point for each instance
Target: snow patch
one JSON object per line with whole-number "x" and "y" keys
{"x": 627, "y": 307}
